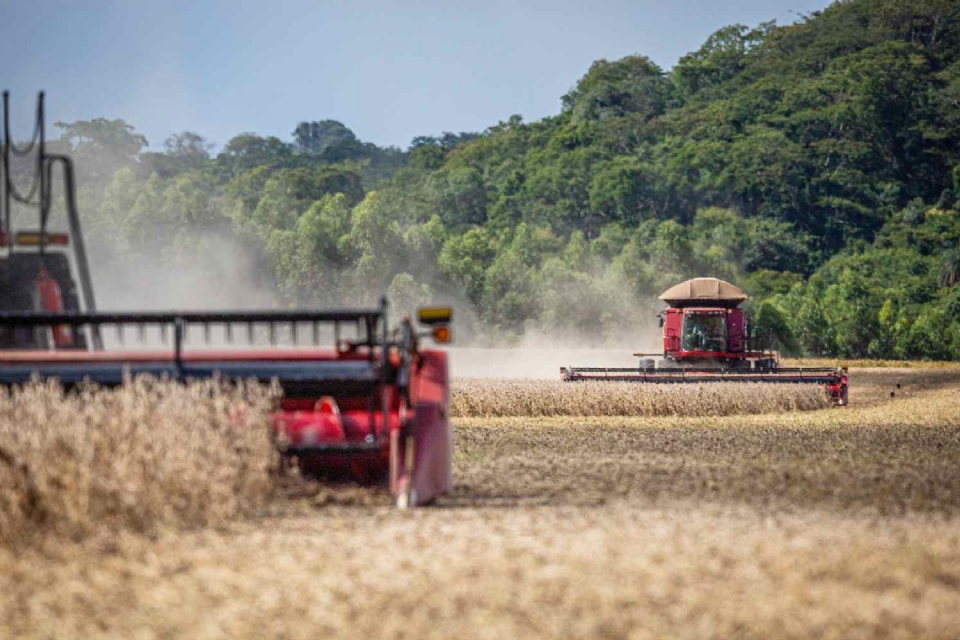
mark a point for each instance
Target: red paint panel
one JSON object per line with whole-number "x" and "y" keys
{"x": 735, "y": 323}
{"x": 673, "y": 321}
{"x": 433, "y": 436}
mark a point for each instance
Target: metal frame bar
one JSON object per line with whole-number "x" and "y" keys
{"x": 623, "y": 374}
{"x": 338, "y": 448}
{"x": 701, "y": 370}
{"x": 182, "y": 320}
{"x": 76, "y": 238}
{"x": 28, "y": 318}
{"x": 375, "y": 338}
{"x": 385, "y": 354}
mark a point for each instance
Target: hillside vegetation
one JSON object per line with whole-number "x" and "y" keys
{"x": 815, "y": 164}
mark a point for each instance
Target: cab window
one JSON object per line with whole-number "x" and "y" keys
{"x": 704, "y": 333}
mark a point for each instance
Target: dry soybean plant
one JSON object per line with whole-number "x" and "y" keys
{"x": 489, "y": 398}
{"x": 148, "y": 455}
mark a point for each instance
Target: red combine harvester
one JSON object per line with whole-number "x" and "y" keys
{"x": 707, "y": 338}
{"x": 373, "y": 408}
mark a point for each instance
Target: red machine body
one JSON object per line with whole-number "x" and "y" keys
{"x": 717, "y": 335}
{"x": 410, "y": 445}
{"x": 707, "y": 338}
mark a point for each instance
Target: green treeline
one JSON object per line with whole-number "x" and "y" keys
{"x": 816, "y": 165}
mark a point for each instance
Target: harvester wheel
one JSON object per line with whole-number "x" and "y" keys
{"x": 408, "y": 495}
{"x": 764, "y": 364}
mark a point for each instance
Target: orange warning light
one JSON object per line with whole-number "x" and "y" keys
{"x": 442, "y": 335}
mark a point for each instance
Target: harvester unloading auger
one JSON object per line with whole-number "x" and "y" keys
{"x": 707, "y": 338}
{"x": 373, "y": 408}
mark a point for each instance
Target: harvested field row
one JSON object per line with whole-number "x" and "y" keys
{"x": 151, "y": 454}
{"x": 891, "y": 454}
{"x": 494, "y": 398}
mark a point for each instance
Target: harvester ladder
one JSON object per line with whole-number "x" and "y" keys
{"x": 40, "y": 195}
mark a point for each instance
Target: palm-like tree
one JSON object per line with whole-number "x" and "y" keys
{"x": 950, "y": 268}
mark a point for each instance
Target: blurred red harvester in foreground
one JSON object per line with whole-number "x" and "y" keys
{"x": 372, "y": 408}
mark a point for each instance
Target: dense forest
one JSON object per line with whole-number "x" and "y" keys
{"x": 817, "y": 165}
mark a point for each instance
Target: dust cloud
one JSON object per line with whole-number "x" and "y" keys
{"x": 222, "y": 275}
{"x": 540, "y": 355}
{"x": 527, "y": 363}
{"x": 225, "y": 275}
{"x": 541, "y": 351}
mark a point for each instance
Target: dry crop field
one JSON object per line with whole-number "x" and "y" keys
{"x": 718, "y": 518}
{"x": 498, "y": 398}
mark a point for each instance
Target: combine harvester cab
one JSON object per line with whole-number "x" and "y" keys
{"x": 372, "y": 408}
{"x": 707, "y": 338}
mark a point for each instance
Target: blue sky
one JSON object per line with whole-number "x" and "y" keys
{"x": 388, "y": 70}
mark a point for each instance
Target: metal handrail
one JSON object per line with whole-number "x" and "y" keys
{"x": 181, "y": 321}
{"x": 42, "y": 181}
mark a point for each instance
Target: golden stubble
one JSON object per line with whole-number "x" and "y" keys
{"x": 148, "y": 455}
